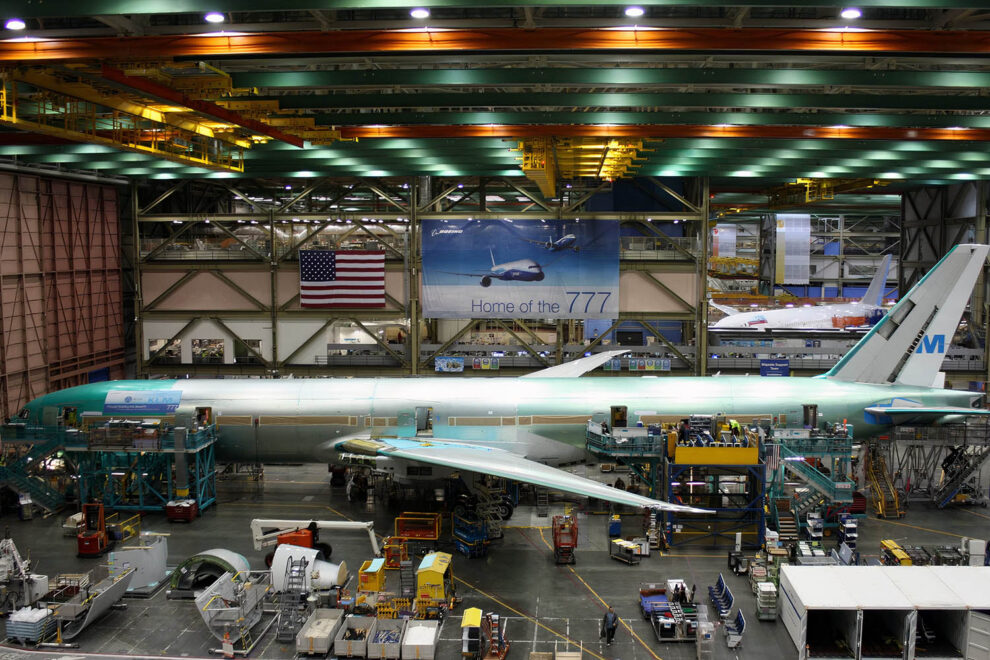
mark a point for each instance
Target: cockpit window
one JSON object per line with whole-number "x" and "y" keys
{"x": 24, "y": 414}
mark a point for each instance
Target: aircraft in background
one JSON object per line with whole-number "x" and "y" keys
{"x": 520, "y": 428}
{"x": 520, "y": 270}
{"x": 565, "y": 242}
{"x": 866, "y": 312}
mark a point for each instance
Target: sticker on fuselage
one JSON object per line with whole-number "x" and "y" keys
{"x": 151, "y": 402}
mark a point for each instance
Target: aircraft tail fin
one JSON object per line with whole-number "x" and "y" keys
{"x": 908, "y": 345}
{"x": 874, "y": 294}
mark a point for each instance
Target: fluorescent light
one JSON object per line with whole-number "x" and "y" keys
{"x": 420, "y": 12}
{"x": 15, "y": 24}
{"x": 634, "y": 11}
{"x": 850, "y": 13}
{"x": 214, "y": 17}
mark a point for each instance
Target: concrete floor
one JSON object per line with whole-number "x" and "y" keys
{"x": 545, "y": 604}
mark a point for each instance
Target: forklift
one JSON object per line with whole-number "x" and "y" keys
{"x": 93, "y": 540}
{"x": 565, "y": 535}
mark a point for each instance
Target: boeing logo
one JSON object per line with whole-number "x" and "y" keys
{"x": 437, "y": 232}
{"x": 931, "y": 344}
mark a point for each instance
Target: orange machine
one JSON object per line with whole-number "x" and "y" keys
{"x": 304, "y": 537}
{"x": 396, "y": 551}
{"x": 565, "y": 536}
{"x": 414, "y": 525}
{"x": 93, "y": 540}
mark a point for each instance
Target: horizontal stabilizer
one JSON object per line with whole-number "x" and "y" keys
{"x": 576, "y": 368}
{"x": 916, "y": 414}
{"x": 500, "y": 463}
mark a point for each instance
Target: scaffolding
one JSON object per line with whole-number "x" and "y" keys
{"x": 939, "y": 464}
{"x": 147, "y": 478}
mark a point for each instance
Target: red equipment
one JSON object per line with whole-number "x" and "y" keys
{"x": 93, "y": 540}
{"x": 306, "y": 537}
{"x": 565, "y": 536}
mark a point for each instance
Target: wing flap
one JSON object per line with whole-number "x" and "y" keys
{"x": 501, "y": 463}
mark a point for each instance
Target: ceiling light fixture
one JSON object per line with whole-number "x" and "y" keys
{"x": 850, "y": 13}
{"x": 214, "y": 17}
{"x": 635, "y": 11}
{"x": 420, "y": 13}
{"x": 15, "y": 24}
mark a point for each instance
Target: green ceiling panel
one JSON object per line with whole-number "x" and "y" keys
{"x": 627, "y": 100}
{"x": 609, "y": 77}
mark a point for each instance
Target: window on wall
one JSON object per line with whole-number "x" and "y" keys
{"x": 171, "y": 355}
{"x": 243, "y": 351}
{"x": 207, "y": 351}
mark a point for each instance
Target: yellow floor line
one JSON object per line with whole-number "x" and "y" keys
{"x": 923, "y": 529}
{"x": 974, "y": 513}
{"x": 529, "y": 618}
{"x": 602, "y": 601}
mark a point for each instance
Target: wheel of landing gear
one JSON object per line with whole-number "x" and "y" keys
{"x": 325, "y": 549}
{"x": 504, "y": 511}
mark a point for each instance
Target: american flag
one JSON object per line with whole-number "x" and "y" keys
{"x": 349, "y": 278}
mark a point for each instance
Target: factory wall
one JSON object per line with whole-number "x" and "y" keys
{"x": 61, "y": 291}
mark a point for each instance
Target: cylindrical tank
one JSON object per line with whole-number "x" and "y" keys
{"x": 319, "y": 574}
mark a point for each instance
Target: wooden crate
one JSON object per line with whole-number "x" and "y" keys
{"x": 540, "y": 655}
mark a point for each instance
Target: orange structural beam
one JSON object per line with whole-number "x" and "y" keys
{"x": 502, "y": 39}
{"x": 660, "y": 131}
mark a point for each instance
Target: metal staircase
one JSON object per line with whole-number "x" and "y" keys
{"x": 787, "y": 526}
{"x": 959, "y": 467}
{"x": 292, "y": 611}
{"x": 834, "y": 490}
{"x": 47, "y": 498}
{"x": 407, "y": 579}
{"x": 886, "y": 501}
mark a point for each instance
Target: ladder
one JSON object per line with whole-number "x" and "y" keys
{"x": 542, "y": 502}
{"x": 291, "y": 614}
{"x": 886, "y": 502}
{"x": 407, "y": 579}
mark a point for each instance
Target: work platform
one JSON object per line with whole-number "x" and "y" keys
{"x": 131, "y": 465}
{"x": 717, "y": 472}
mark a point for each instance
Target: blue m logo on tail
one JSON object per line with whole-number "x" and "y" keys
{"x": 931, "y": 344}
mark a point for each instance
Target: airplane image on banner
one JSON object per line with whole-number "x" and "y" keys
{"x": 520, "y": 270}
{"x": 565, "y": 242}
{"x": 866, "y": 312}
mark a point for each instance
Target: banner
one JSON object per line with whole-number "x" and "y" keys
{"x": 724, "y": 241}
{"x": 793, "y": 264}
{"x": 484, "y": 363}
{"x": 449, "y": 364}
{"x": 150, "y": 402}
{"x": 550, "y": 269}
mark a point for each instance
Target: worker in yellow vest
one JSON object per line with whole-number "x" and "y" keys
{"x": 735, "y": 428}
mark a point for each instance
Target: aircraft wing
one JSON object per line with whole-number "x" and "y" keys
{"x": 500, "y": 463}
{"x": 725, "y": 309}
{"x": 447, "y": 272}
{"x": 576, "y": 368}
{"x": 912, "y": 414}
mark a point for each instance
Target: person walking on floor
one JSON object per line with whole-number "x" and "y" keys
{"x": 609, "y": 624}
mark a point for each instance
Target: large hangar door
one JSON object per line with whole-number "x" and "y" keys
{"x": 978, "y": 639}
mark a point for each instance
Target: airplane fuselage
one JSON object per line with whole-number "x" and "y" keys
{"x": 523, "y": 270}
{"x": 822, "y": 317}
{"x": 544, "y": 419}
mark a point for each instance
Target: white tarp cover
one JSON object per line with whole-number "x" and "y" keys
{"x": 923, "y": 587}
{"x": 890, "y": 587}
{"x": 971, "y": 584}
{"x": 872, "y": 587}
{"x": 820, "y": 587}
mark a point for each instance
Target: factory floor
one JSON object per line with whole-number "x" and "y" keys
{"x": 545, "y": 605}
